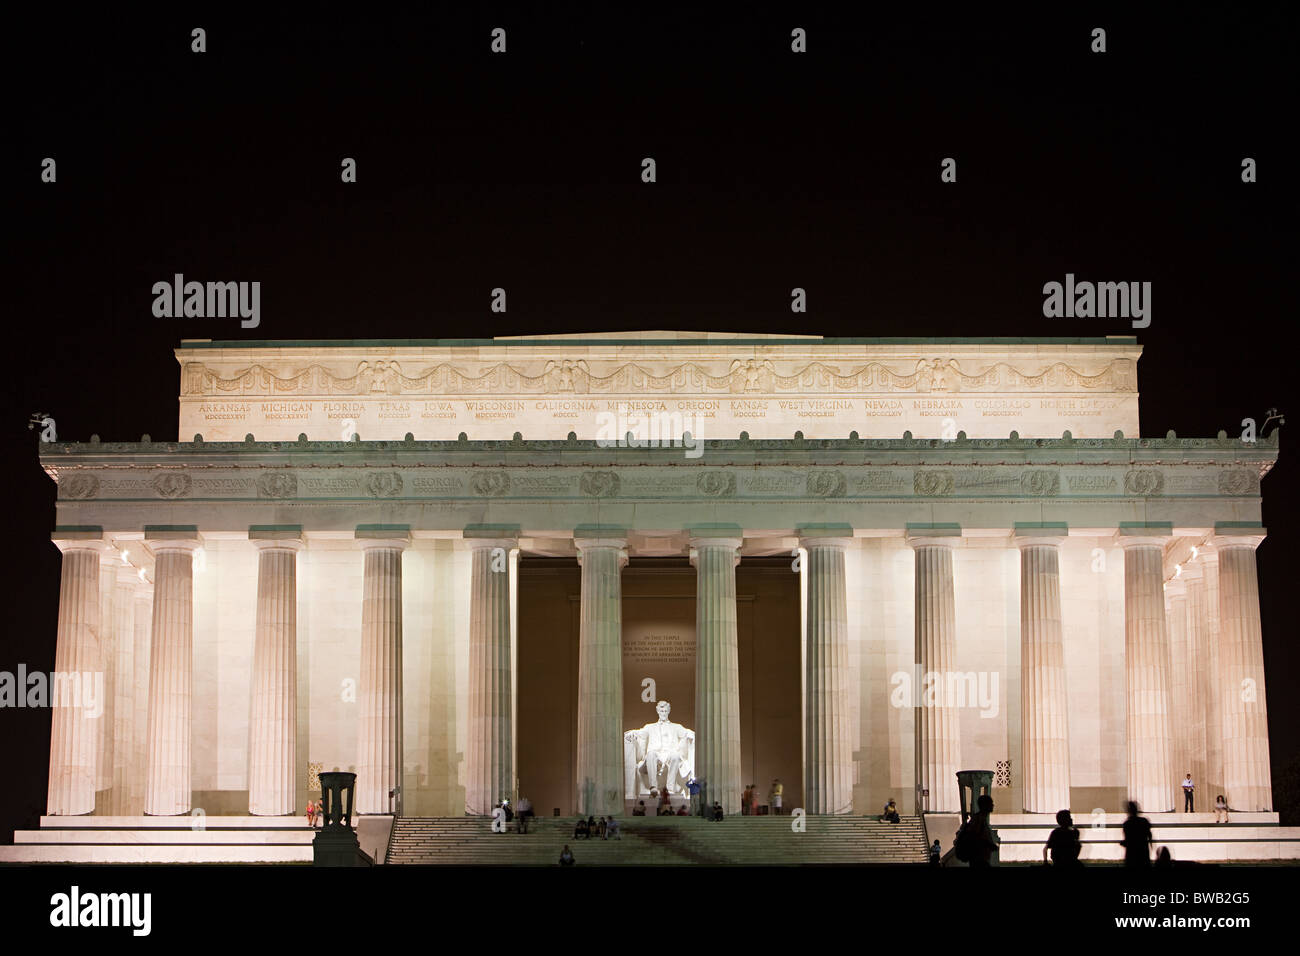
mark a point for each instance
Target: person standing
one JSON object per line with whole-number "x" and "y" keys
{"x": 774, "y": 797}
{"x": 981, "y": 839}
{"x": 744, "y": 800}
{"x": 311, "y": 814}
{"x": 936, "y": 853}
{"x": 1188, "y": 790}
{"x": 1064, "y": 843}
{"x": 753, "y": 800}
{"x": 1137, "y": 838}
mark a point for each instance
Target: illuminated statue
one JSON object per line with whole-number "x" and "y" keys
{"x": 659, "y": 756}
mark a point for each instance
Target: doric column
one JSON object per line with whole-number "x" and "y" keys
{"x": 142, "y": 597}
{"x": 1213, "y": 676}
{"x": 602, "y": 555}
{"x": 489, "y": 763}
{"x": 1044, "y": 727}
{"x": 273, "y": 720}
{"x": 109, "y": 561}
{"x": 1180, "y": 697}
{"x": 171, "y": 672}
{"x": 126, "y": 582}
{"x": 938, "y": 740}
{"x": 828, "y": 757}
{"x": 379, "y": 696}
{"x": 1246, "y": 776}
{"x": 73, "y": 731}
{"x": 717, "y": 668}
{"x": 1199, "y": 680}
{"x": 1146, "y": 667}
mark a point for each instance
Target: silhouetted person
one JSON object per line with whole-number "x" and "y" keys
{"x": 1164, "y": 859}
{"x": 981, "y": 840}
{"x": 1064, "y": 843}
{"x": 1137, "y": 838}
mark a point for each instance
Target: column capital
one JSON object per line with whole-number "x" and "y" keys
{"x": 1238, "y": 534}
{"x": 711, "y": 541}
{"x": 1139, "y": 534}
{"x": 276, "y": 537}
{"x": 825, "y": 535}
{"x": 1039, "y": 534}
{"x": 383, "y": 537}
{"x": 943, "y": 534}
{"x": 480, "y": 536}
{"x": 81, "y": 537}
{"x": 586, "y": 539}
{"x": 172, "y": 537}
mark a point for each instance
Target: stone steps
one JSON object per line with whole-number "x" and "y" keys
{"x": 661, "y": 841}
{"x": 1190, "y": 837}
{"x": 128, "y": 840}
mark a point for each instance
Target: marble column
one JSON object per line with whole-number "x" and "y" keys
{"x": 938, "y": 738}
{"x": 109, "y": 559}
{"x": 828, "y": 758}
{"x": 125, "y": 583}
{"x": 273, "y": 721}
{"x": 171, "y": 673}
{"x": 490, "y": 760}
{"x": 1146, "y": 665}
{"x": 1044, "y": 727}
{"x": 600, "y": 676}
{"x": 1246, "y": 776}
{"x": 717, "y": 669}
{"x": 73, "y": 731}
{"x": 1180, "y": 697}
{"x": 1199, "y": 682}
{"x": 142, "y": 597}
{"x": 379, "y": 695}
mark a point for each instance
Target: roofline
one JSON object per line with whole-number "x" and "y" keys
{"x": 805, "y": 342}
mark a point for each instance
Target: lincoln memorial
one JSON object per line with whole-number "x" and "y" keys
{"x": 469, "y": 570}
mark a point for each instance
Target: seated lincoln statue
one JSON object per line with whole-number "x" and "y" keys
{"x": 659, "y": 756}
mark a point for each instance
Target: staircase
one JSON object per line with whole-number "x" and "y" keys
{"x": 182, "y": 839}
{"x": 1190, "y": 837}
{"x": 661, "y": 841}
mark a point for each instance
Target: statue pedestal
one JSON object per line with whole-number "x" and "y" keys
{"x": 338, "y": 848}
{"x": 337, "y": 844}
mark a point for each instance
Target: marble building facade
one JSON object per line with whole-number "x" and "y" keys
{"x": 995, "y": 572}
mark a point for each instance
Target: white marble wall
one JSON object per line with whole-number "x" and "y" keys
{"x": 1092, "y": 626}
{"x": 225, "y": 620}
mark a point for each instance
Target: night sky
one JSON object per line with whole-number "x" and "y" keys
{"x": 775, "y": 170}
